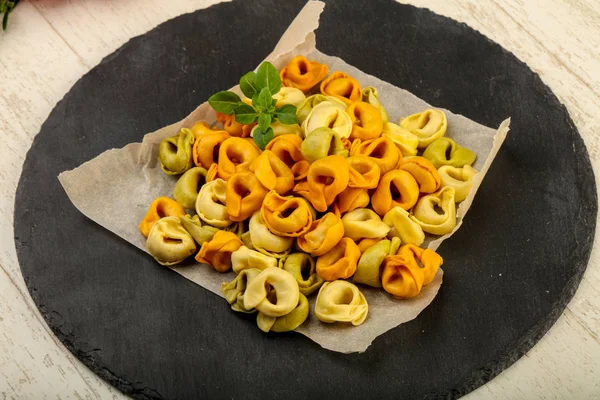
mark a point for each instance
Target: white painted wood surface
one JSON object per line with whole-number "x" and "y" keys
{"x": 50, "y": 44}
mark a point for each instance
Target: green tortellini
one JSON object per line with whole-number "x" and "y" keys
{"x": 371, "y": 95}
{"x": 169, "y": 243}
{"x": 188, "y": 186}
{"x": 303, "y": 268}
{"x": 445, "y": 151}
{"x": 234, "y": 290}
{"x": 244, "y": 258}
{"x": 461, "y": 179}
{"x": 368, "y": 271}
{"x": 175, "y": 153}
{"x": 199, "y": 231}
{"x": 286, "y": 323}
{"x": 322, "y": 142}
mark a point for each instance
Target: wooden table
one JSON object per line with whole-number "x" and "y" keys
{"x": 50, "y": 44}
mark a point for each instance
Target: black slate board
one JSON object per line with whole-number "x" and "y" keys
{"x": 509, "y": 271}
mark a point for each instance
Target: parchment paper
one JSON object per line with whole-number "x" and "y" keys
{"x": 130, "y": 178}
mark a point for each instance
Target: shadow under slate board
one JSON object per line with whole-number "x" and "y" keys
{"x": 509, "y": 271}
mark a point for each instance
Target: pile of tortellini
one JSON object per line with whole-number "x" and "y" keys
{"x": 340, "y": 199}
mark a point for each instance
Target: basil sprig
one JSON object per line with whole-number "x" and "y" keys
{"x": 260, "y": 86}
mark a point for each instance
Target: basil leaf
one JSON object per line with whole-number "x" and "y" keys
{"x": 264, "y": 120}
{"x": 262, "y": 139}
{"x": 224, "y": 102}
{"x": 244, "y": 114}
{"x": 247, "y": 84}
{"x": 268, "y": 77}
{"x": 262, "y": 101}
{"x": 286, "y": 114}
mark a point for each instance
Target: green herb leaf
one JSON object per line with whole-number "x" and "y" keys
{"x": 262, "y": 139}
{"x": 247, "y": 84}
{"x": 268, "y": 77}
{"x": 286, "y": 114}
{"x": 244, "y": 114}
{"x": 262, "y": 101}
{"x": 224, "y": 102}
{"x": 264, "y": 120}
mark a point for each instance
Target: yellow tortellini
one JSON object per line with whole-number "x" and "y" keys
{"x": 188, "y": 186}
{"x": 289, "y": 95}
{"x": 371, "y": 95}
{"x": 330, "y": 115}
{"x": 364, "y": 223}
{"x": 264, "y": 241}
{"x": 234, "y": 291}
{"x": 461, "y": 179}
{"x": 406, "y": 142}
{"x": 307, "y": 105}
{"x": 322, "y": 142}
{"x": 244, "y": 258}
{"x": 341, "y": 301}
{"x": 425, "y": 214}
{"x": 169, "y": 243}
{"x": 210, "y": 204}
{"x": 286, "y": 293}
{"x": 175, "y": 153}
{"x": 368, "y": 271}
{"x": 286, "y": 323}
{"x": 403, "y": 227}
{"x": 438, "y": 151}
{"x": 303, "y": 268}
{"x": 199, "y": 231}
{"x": 428, "y": 126}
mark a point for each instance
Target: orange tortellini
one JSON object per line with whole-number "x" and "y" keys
{"x": 244, "y": 195}
{"x": 160, "y": 207}
{"x": 322, "y": 236}
{"x": 366, "y": 121}
{"x": 382, "y": 150}
{"x": 272, "y": 172}
{"x": 234, "y": 128}
{"x": 339, "y": 262}
{"x": 303, "y": 74}
{"x": 342, "y": 86}
{"x": 286, "y": 216}
{"x": 217, "y": 251}
{"x": 327, "y": 177}
{"x": 235, "y": 154}
{"x": 206, "y": 148}
{"x": 402, "y": 276}
{"x": 396, "y": 188}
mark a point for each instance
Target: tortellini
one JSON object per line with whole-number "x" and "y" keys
{"x": 431, "y": 221}
{"x": 402, "y": 276}
{"x": 364, "y": 223}
{"x": 236, "y": 154}
{"x": 210, "y": 204}
{"x": 169, "y": 243}
{"x": 327, "y": 177}
{"x": 341, "y": 301}
{"x": 424, "y": 173}
{"x": 406, "y": 142}
{"x": 428, "y": 126}
{"x": 286, "y": 216}
{"x": 244, "y": 258}
{"x": 199, "y": 231}
{"x": 322, "y": 142}
{"x": 234, "y": 128}
{"x": 175, "y": 153}
{"x": 403, "y": 227}
{"x": 438, "y": 151}
{"x": 330, "y": 115}
{"x": 234, "y": 291}
{"x": 217, "y": 251}
{"x": 206, "y": 148}
{"x": 266, "y": 242}
{"x": 303, "y": 74}
{"x": 286, "y": 293}
{"x": 366, "y": 121}
{"x": 382, "y": 150}
{"x": 273, "y": 173}
{"x": 286, "y": 323}
{"x": 244, "y": 195}
{"x": 461, "y": 179}
{"x": 339, "y": 262}
{"x": 371, "y": 95}
{"x": 342, "y": 86}
{"x": 396, "y": 188}
{"x": 364, "y": 172}
{"x": 368, "y": 271}
{"x": 288, "y": 149}
{"x": 289, "y": 95}
{"x": 188, "y": 186}
{"x": 303, "y": 268}
{"x": 322, "y": 236}
{"x": 307, "y": 105}
{"x": 200, "y": 128}
{"x": 280, "y": 129}
{"x": 160, "y": 207}
{"x": 351, "y": 199}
